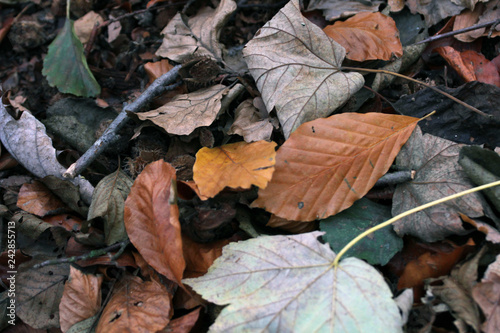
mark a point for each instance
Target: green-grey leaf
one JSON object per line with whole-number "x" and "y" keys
{"x": 65, "y": 65}
{"x": 108, "y": 202}
{"x": 288, "y": 284}
{"x": 340, "y": 229}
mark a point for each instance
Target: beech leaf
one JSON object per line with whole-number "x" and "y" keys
{"x": 235, "y": 165}
{"x": 327, "y": 164}
{"x": 108, "y": 202}
{"x": 296, "y": 67}
{"x": 438, "y": 174}
{"x": 81, "y": 298}
{"x": 152, "y": 220}
{"x": 27, "y": 141}
{"x": 288, "y": 284}
{"x": 367, "y": 36}
{"x": 184, "y": 113}
{"x": 65, "y": 65}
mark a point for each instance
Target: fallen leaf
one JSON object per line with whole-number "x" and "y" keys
{"x": 65, "y": 65}
{"x": 136, "y": 306}
{"x": 487, "y": 294}
{"x": 434, "y": 10}
{"x": 81, "y": 298}
{"x": 466, "y": 19}
{"x": 438, "y": 175}
{"x": 288, "y": 284}
{"x": 249, "y": 124}
{"x": 492, "y": 234}
{"x": 85, "y": 24}
{"x": 296, "y": 67}
{"x": 184, "y": 113}
{"x": 333, "y": 10}
{"x": 152, "y": 220}
{"x": 235, "y": 165}
{"x": 295, "y": 227}
{"x": 199, "y": 35}
{"x": 156, "y": 69}
{"x": 108, "y": 202}
{"x": 327, "y": 164}
{"x": 367, "y": 36}
{"x": 27, "y": 141}
{"x": 200, "y": 256}
{"x": 37, "y": 199}
{"x": 376, "y": 249}
{"x": 453, "y": 58}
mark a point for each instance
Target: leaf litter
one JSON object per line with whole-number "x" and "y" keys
{"x": 240, "y": 68}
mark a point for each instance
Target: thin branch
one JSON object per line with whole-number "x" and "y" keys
{"x": 159, "y": 86}
{"x": 493, "y": 24}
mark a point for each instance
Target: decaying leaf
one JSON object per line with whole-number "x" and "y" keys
{"x": 487, "y": 295}
{"x": 438, "y": 175}
{"x": 65, "y": 65}
{"x": 152, "y": 220}
{"x": 342, "y": 8}
{"x": 37, "y": 199}
{"x": 367, "y": 36}
{"x": 81, "y": 298}
{"x": 327, "y": 164}
{"x": 108, "y": 202}
{"x": 27, "y": 141}
{"x": 434, "y": 10}
{"x": 184, "y": 113}
{"x": 235, "y": 165}
{"x": 288, "y": 284}
{"x": 137, "y": 306}
{"x": 296, "y": 67}
{"x": 249, "y": 124}
{"x": 199, "y": 35}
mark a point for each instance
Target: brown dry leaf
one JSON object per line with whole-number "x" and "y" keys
{"x": 396, "y": 5}
{"x": 487, "y": 295}
{"x": 184, "y": 113}
{"x": 296, "y": 67}
{"x": 438, "y": 175}
{"x": 492, "y": 234}
{"x": 156, "y": 69}
{"x": 198, "y": 35}
{"x": 37, "y": 199}
{"x": 152, "y": 220}
{"x": 81, "y": 298}
{"x": 295, "y": 227}
{"x": 367, "y": 36}
{"x": 333, "y": 10}
{"x": 136, "y": 306}
{"x": 434, "y": 10}
{"x": 327, "y": 164}
{"x": 249, "y": 124}
{"x": 183, "y": 324}
{"x": 466, "y": 19}
{"x": 84, "y": 25}
{"x": 235, "y": 165}
{"x": 199, "y": 257}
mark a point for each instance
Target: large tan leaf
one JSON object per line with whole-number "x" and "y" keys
{"x": 152, "y": 220}
{"x": 438, "y": 174}
{"x": 184, "y": 113}
{"x": 234, "y": 165}
{"x": 327, "y": 164}
{"x": 287, "y": 284}
{"x": 367, "y": 36}
{"x": 296, "y": 68}
{"x": 199, "y": 35}
{"x": 137, "y": 306}
{"x": 81, "y": 298}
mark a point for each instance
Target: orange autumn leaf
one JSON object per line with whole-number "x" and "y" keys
{"x": 37, "y": 199}
{"x": 152, "y": 220}
{"x": 81, "y": 298}
{"x": 157, "y": 69}
{"x": 234, "y": 165}
{"x": 327, "y": 164}
{"x": 200, "y": 256}
{"x": 367, "y": 36}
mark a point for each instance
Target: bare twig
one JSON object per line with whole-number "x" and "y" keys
{"x": 159, "y": 86}
{"x": 92, "y": 254}
{"x": 459, "y": 31}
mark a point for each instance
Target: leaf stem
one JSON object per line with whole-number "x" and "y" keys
{"x": 383, "y": 71}
{"x": 411, "y": 211}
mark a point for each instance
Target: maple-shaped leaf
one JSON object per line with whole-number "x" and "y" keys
{"x": 288, "y": 284}
{"x": 327, "y": 164}
{"x": 234, "y": 165}
{"x": 81, "y": 298}
{"x": 438, "y": 174}
{"x": 152, "y": 220}
{"x": 65, "y": 65}
{"x": 137, "y": 306}
{"x": 296, "y": 67}
{"x": 367, "y": 36}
